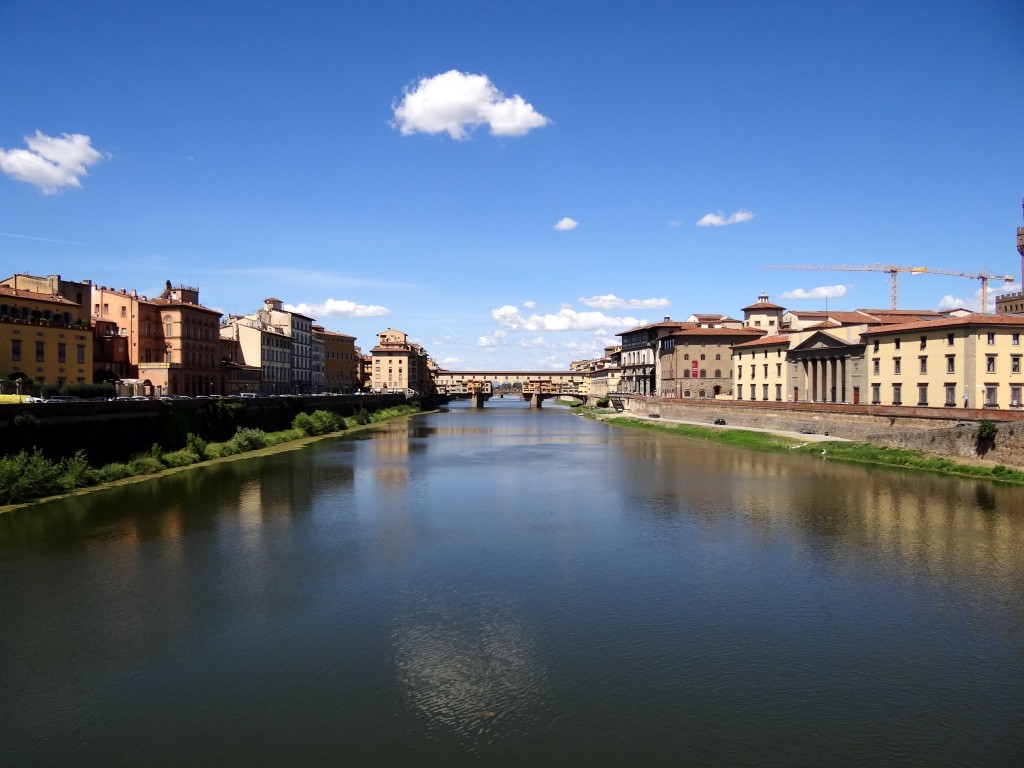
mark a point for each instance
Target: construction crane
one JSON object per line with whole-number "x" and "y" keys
{"x": 892, "y": 271}
{"x": 983, "y": 276}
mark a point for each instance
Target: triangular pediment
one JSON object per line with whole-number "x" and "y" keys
{"x": 823, "y": 340}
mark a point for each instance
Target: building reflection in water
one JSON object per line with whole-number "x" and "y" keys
{"x": 926, "y": 520}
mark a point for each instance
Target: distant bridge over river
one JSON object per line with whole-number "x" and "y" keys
{"x": 535, "y": 386}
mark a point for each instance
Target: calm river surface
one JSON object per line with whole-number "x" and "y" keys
{"x": 517, "y": 587}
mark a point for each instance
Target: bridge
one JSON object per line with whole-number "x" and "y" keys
{"x": 535, "y": 386}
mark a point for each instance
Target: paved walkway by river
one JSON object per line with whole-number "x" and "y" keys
{"x": 806, "y": 437}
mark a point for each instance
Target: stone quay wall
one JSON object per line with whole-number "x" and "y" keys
{"x": 933, "y": 430}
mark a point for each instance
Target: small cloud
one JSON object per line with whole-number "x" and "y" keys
{"x": 566, "y": 319}
{"x": 529, "y": 304}
{"x": 822, "y": 292}
{"x": 674, "y": 223}
{"x": 495, "y": 339}
{"x": 949, "y": 301}
{"x": 451, "y": 361}
{"x": 718, "y": 220}
{"x": 51, "y": 162}
{"x": 566, "y": 224}
{"x": 535, "y": 343}
{"x": 611, "y": 301}
{"x": 338, "y": 308}
{"x": 456, "y": 102}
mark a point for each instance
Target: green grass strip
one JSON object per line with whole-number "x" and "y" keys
{"x": 864, "y": 453}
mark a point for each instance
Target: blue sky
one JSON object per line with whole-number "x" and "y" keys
{"x": 512, "y": 184}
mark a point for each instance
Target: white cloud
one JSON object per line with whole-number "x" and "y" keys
{"x": 611, "y": 301}
{"x": 535, "y": 343}
{"x": 821, "y": 292}
{"x": 566, "y": 319}
{"x": 529, "y": 304}
{"x": 338, "y": 308}
{"x": 718, "y": 220}
{"x": 450, "y": 361}
{"x": 457, "y": 102}
{"x": 949, "y": 301}
{"x": 495, "y": 339}
{"x": 51, "y": 162}
{"x": 674, "y": 223}
{"x": 566, "y": 224}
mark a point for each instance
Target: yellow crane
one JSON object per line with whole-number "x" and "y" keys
{"x": 983, "y": 276}
{"x": 891, "y": 269}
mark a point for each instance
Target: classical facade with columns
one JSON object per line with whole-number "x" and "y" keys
{"x": 825, "y": 369}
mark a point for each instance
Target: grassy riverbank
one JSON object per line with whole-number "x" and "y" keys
{"x": 30, "y": 477}
{"x": 833, "y": 450}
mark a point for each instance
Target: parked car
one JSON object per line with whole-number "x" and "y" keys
{"x": 62, "y": 399}
{"x": 720, "y": 421}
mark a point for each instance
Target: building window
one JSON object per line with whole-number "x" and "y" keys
{"x": 1015, "y": 364}
{"x": 924, "y": 342}
{"x": 950, "y": 364}
{"x": 81, "y": 354}
{"x": 949, "y": 339}
{"x": 896, "y": 365}
{"x": 62, "y": 352}
{"x": 991, "y": 337}
{"x": 950, "y": 395}
{"x": 718, "y": 373}
{"x": 990, "y": 364}
{"x": 876, "y": 394}
{"x": 764, "y": 391}
{"x": 924, "y": 365}
{"x": 1015, "y": 397}
{"x": 778, "y": 392}
{"x": 124, "y": 311}
{"x": 897, "y": 394}
{"x": 15, "y": 349}
{"x": 896, "y": 342}
{"x": 991, "y": 396}
{"x": 876, "y": 366}
{"x": 739, "y": 391}
{"x": 778, "y": 369}
{"x": 40, "y": 351}
{"x": 1015, "y": 340}
{"x": 922, "y": 394}
{"x": 718, "y": 357}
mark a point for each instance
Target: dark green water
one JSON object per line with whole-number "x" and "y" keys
{"x": 510, "y": 587}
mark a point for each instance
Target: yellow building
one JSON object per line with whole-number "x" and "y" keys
{"x": 398, "y": 365}
{"x": 42, "y": 338}
{"x": 972, "y": 361}
{"x": 760, "y": 370}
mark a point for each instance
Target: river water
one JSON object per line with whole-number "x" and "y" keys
{"x": 513, "y": 587}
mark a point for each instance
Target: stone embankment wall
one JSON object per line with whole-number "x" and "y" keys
{"x": 925, "y": 429}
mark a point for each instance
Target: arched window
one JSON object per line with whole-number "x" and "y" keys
{"x": 718, "y": 357}
{"x": 686, "y": 393}
{"x": 686, "y": 373}
{"x": 168, "y": 326}
{"x": 718, "y": 373}
{"x": 701, "y": 394}
{"x": 686, "y": 357}
{"x": 702, "y": 357}
{"x": 703, "y": 373}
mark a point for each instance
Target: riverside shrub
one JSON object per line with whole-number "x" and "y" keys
{"x": 318, "y": 423}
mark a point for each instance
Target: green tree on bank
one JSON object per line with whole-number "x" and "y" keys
{"x": 25, "y": 476}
